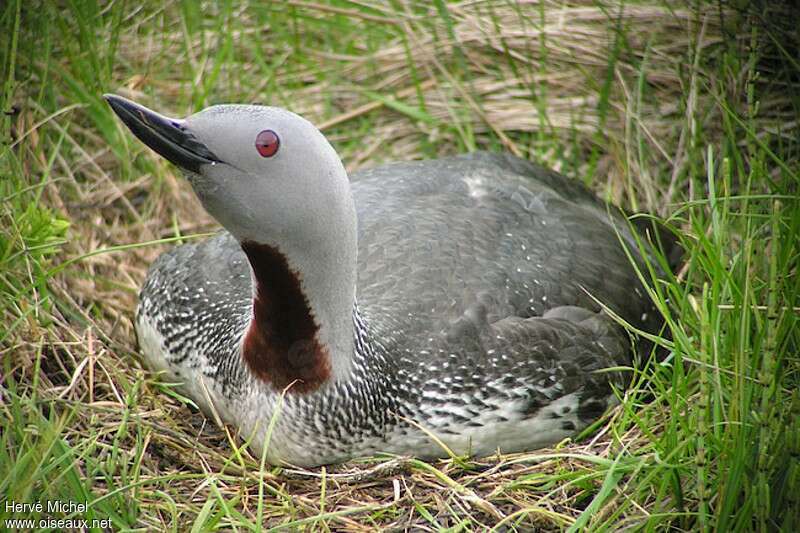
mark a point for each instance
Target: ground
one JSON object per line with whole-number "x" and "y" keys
{"x": 686, "y": 111}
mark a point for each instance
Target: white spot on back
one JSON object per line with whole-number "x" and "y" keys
{"x": 476, "y": 186}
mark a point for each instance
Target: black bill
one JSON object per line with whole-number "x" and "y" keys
{"x": 167, "y": 136}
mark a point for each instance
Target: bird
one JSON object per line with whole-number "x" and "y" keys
{"x": 467, "y": 305}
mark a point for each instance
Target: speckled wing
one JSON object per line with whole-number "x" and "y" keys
{"x": 195, "y": 301}
{"x": 454, "y": 230}
{"x": 510, "y": 384}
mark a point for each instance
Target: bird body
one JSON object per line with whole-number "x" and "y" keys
{"x": 416, "y": 306}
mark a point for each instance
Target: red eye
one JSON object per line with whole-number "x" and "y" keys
{"x": 267, "y": 143}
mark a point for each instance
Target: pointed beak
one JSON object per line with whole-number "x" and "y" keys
{"x": 169, "y": 137}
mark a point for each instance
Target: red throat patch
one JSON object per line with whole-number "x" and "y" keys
{"x": 281, "y": 345}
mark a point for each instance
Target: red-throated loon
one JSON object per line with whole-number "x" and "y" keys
{"x": 454, "y": 297}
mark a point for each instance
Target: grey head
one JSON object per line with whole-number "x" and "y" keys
{"x": 255, "y": 168}
{"x": 270, "y": 177}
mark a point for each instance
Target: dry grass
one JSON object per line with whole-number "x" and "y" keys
{"x": 612, "y": 95}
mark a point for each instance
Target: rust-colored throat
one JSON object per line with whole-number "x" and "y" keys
{"x": 281, "y": 346}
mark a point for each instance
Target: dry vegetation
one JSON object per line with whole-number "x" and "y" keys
{"x": 624, "y": 97}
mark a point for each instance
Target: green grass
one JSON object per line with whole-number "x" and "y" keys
{"x": 690, "y": 112}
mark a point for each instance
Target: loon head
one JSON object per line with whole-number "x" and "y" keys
{"x": 260, "y": 171}
{"x": 273, "y": 180}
